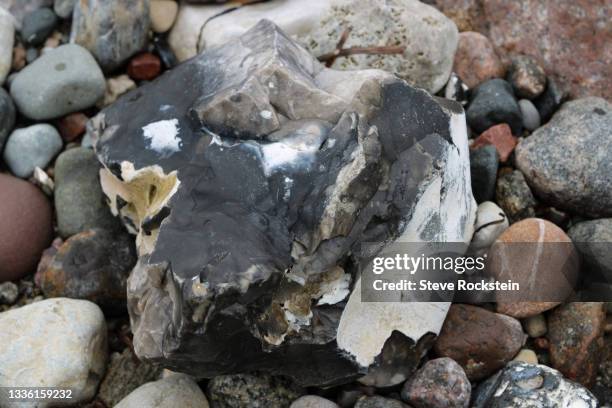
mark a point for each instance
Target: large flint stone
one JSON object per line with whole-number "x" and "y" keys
{"x": 252, "y": 175}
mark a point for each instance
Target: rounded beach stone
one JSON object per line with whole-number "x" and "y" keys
{"x": 527, "y": 77}
{"x": 484, "y": 162}
{"x": 540, "y": 257}
{"x": 492, "y": 103}
{"x": 531, "y": 116}
{"x": 476, "y": 60}
{"x": 63, "y": 80}
{"x": 25, "y": 227}
{"x": 38, "y": 25}
{"x": 31, "y": 147}
{"x": 163, "y": 15}
{"x": 313, "y": 401}
{"x": 177, "y": 390}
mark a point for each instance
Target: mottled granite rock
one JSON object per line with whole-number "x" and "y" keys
{"x": 251, "y": 176}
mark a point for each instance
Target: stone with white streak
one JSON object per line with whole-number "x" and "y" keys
{"x": 56, "y": 342}
{"x": 7, "y": 38}
{"x": 429, "y": 38}
{"x": 291, "y": 166}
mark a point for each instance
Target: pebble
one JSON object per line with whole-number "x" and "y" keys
{"x": 25, "y": 227}
{"x": 526, "y": 356}
{"x": 144, "y": 67}
{"x": 535, "y": 326}
{"x": 540, "y": 257}
{"x": 38, "y": 25}
{"x": 522, "y": 385}
{"x": 527, "y": 77}
{"x": 41, "y": 179}
{"x": 379, "y": 402}
{"x": 313, "y": 401}
{"x": 484, "y": 162}
{"x": 115, "y": 87}
{"x": 79, "y": 202}
{"x": 592, "y": 239}
{"x": 575, "y": 333}
{"x": 8, "y": 293}
{"x": 64, "y": 8}
{"x": 112, "y": 31}
{"x": 31, "y": 147}
{"x": 125, "y": 373}
{"x": 549, "y": 101}
{"x": 7, "y": 38}
{"x": 72, "y": 82}
{"x": 476, "y": 60}
{"x": 163, "y": 15}
{"x": 514, "y": 196}
{"x": 72, "y": 126}
{"x": 92, "y": 265}
{"x": 248, "y": 390}
{"x": 567, "y": 162}
{"x": 7, "y": 116}
{"x": 531, "y": 116}
{"x": 481, "y": 341}
{"x": 178, "y": 390}
{"x": 499, "y": 136}
{"x": 440, "y": 383}
{"x": 490, "y": 223}
{"x": 54, "y": 343}
{"x": 492, "y": 103}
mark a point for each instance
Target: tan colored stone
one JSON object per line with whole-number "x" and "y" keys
{"x": 526, "y": 356}
{"x": 163, "y": 14}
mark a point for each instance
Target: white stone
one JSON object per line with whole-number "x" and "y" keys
{"x": 429, "y": 37}
{"x": 7, "y": 38}
{"x": 56, "y": 342}
{"x": 163, "y": 14}
{"x": 177, "y": 390}
{"x": 491, "y": 221}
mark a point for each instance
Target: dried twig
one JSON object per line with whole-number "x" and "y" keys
{"x": 338, "y": 49}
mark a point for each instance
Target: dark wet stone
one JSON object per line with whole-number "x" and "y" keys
{"x": 522, "y": 385}
{"x": 514, "y": 196}
{"x": 92, "y": 265}
{"x": 251, "y": 391}
{"x": 79, "y": 202}
{"x": 491, "y": 103}
{"x": 556, "y": 164}
{"x": 250, "y": 207}
{"x": 38, "y": 25}
{"x": 549, "y": 101}
{"x": 440, "y": 383}
{"x": 7, "y": 116}
{"x": 162, "y": 48}
{"x": 484, "y": 163}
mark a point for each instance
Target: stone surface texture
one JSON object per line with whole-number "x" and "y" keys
{"x": 54, "y": 343}
{"x": 476, "y": 60}
{"x": 556, "y": 166}
{"x": 7, "y": 38}
{"x": 429, "y": 38}
{"x": 289, "y": 165}
{"x": 178, "y": 390}
{"x": 256, "y": 391}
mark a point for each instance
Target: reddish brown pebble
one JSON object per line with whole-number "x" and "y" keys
{"x": 499, "y": 136}
{"x": 575, "y": 332}
{"x": 475, "y": 60}
{"x": 72, "y": 126}
{"x": 25, "y": 227}
{"x": 541, "y": 258}
{"x": 144, "y": 67}
{"x": 481, "y": 341}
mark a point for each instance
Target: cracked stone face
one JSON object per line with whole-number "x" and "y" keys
{"x": 251, "y": 175}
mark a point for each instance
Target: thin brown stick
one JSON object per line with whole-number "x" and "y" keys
{"x": 362, "y": 50}
{"x": 339, "y": 46}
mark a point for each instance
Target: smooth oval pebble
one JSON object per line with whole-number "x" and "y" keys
{"x": 38, "y": 25}
{"x": 25, "y": 227}
{"x": 31, "y": 147}
{"x": 163, "y": 14}
{"x": 313, "y": 401}
{"x": 531, "y": 116}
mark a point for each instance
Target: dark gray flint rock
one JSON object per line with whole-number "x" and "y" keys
{"x": 567, "y": 162}
{"x": 112, "y": 30}
{"x": 522, "y": 385}
{"x": 251, "y": 175}
{"x": 7, "y": 116}
{"x": 491, "y": 103}
{"x": 484, "y": 163}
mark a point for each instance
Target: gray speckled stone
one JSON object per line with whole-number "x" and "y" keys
{"x": 514, "y": 196}
{"x": 522, "y": 385}
{"x": 7, "y": 116}
{"x": 531, "y": 116}
{"x": 64, "y": 80}
{"x": 567, "y": 161}
{"x": 113, "y": 30}
{"x": 38, "y": 25}
{"x": 79, "y": 201}
{"x": 31, "y": 147}
{"x": 64, "y": 8}
{"x": 251, "y": 391}
{"x": 594, "y": 240}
